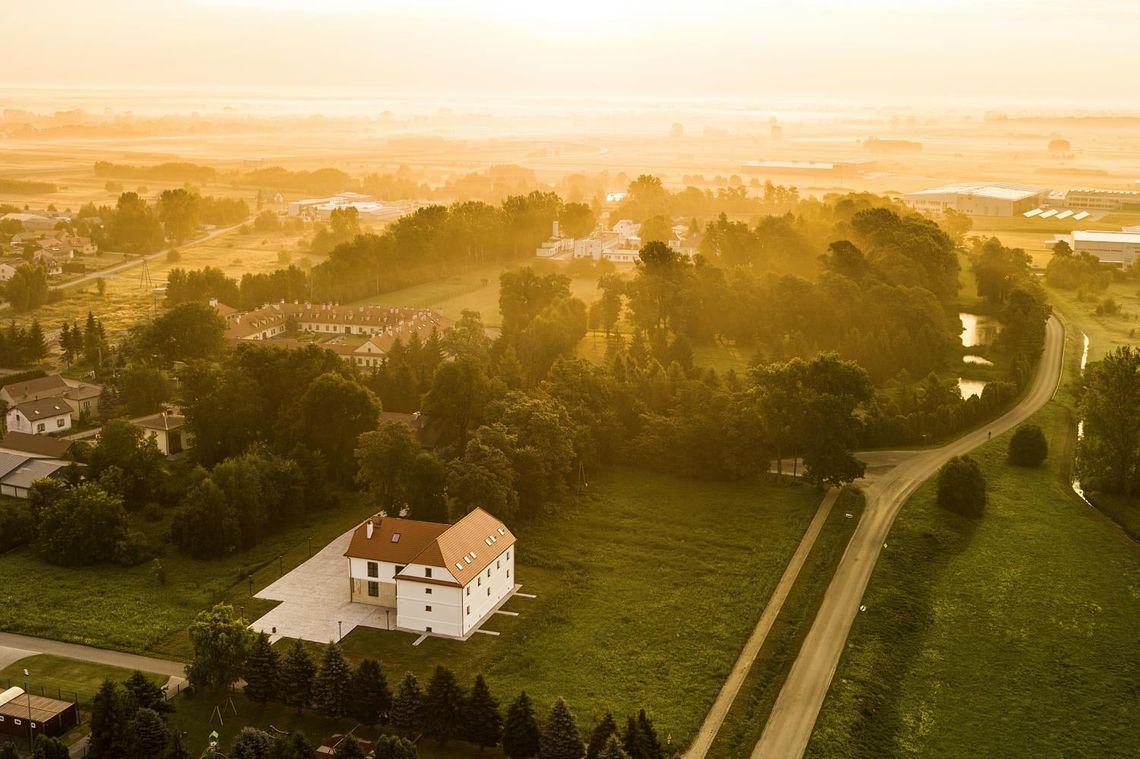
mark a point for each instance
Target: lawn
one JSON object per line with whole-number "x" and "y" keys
{"x": 1015, "y": 635}
{"x": 646, "y": 590}
{"x": 66, "y": 679}
{"x": 127, "y": 609}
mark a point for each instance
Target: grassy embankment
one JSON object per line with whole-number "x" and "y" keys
{"x": 745, "y": 722}
{"x": 68, "y": 679}
{"x": 646, "y": 589}
{"x": 1013, "y": 635}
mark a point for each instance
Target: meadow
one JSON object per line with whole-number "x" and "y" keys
{"x": 68, "y": 679}
{"x": 1013, "y": 635}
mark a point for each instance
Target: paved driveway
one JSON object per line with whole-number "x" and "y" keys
{"x": 314, "y": 597}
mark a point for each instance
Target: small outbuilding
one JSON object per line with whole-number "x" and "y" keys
{"x": 24, "y": 715}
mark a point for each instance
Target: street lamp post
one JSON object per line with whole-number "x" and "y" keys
{"x": 339, "y": 631}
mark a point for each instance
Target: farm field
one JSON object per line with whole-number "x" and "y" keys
{"x": 1014, "y": 635}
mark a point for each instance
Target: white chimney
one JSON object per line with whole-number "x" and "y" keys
{"x": 368, "y": 528}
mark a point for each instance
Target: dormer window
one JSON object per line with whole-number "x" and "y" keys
{"x": 427, "y": 572}
{"x": 395, "y": 537}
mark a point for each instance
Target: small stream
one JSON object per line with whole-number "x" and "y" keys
{"x": 978, "y": 330}
{"x": 1081, "y": 423}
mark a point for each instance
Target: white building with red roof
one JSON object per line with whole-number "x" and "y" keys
{"x": 440, "y": 579}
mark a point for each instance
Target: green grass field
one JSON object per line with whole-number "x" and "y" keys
{"x": 1011, "y": 636}
{"x": 67, "y": 679}
{"x": 745, "y": 722}
{"x": 126, "y": 608}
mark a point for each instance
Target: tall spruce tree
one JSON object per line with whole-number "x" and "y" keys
{"x": 332, "y": 689}
{"x": 444, "y": 706}
{"x": 371, "y": 699}
{"x": 653, "y": 748}
{"x": 612, "y": 749}
{"x": 634, "y": 741}
{"x": 250, "y": 743}
{"x": 262, "y": 670}
{"x": 8, "y": 751}
{"x": 482, "y": 722}
{"x": 111, "y": 712}
{"x": 297, "y": 673}
{"x": 146, "y": 693}
{"x": 520, "y": 730}
{"x": 601, "y": 735}
{"x": 176, "y": 749}
{"x": 151, "y": 733}
{"x": 408, "y": 707}
{"x": 560, "y": 738}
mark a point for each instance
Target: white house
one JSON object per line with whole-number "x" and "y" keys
{"x": 39, "y": 417}
{"x": 7, "y": 271}
{"x": 168, "y": 431}
{"x": 440, "y": 579}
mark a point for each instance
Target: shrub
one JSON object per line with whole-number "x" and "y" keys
{"x": 962, "y": 487}
{"x": 1028, "y": 446}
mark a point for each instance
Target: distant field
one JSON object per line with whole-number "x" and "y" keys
{"x": 1014, "y": 636}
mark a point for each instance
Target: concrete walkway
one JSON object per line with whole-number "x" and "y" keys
{"x": 315, "y": 605}
{"x": 736, "y": 677}
{"x": 31, "y": 646}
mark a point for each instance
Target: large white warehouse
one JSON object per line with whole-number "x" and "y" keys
{"x": 978, "y": 199}
{"x": 1116, "y": 248}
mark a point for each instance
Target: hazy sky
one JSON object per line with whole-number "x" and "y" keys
{"x": 891, "y": 51}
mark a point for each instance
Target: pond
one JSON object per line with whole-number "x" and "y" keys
{"x": 968, "y": 387}
{"x": 978, "y": 329}
{"x": 970, "y": 358}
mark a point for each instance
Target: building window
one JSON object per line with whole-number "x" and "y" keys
{"x": 508, "y": 555}
{"x": 508, "y": 573}
{"x": 427, "y": 591}
{"x": 59, "y": 422}
{"x": 427, "y": 572}
{"x": 427, "y": 629}
{"x": 373, "y": 569}
{"x": 40, "y": 427}
{"x": 468, "y": 609}
{"x": 498, "y": 565}
{"x": 468, "y": 590}
{"x": 488, "y": 571}
{"x": 373, "y": 588}
{"x": 427, "y": 608}
{"x": 479, "y": 581}
{"x": 488, "y": 591}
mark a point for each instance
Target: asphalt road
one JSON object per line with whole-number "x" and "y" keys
{"x": 794, "y": 714}
{"x": 90, "y": 654}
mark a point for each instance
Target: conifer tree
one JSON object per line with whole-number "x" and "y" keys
{"x": 262, "y": 670}
{"x": 371, "y": 699}
{"x": 150, "y": 732}
{"x": 482, "y": 722}
{"x": 111, "y": 711}
{"x": 520, "y": 730}
{"x": 332, "y": 689}
{"x": 297, "y": 673}
{"x": 176, "y": 750}
{"x": 601, "y": 736}
{"x": 444, "y": 706}
{"x": 408, "y": 707}
{"x": 633, "y": 740}
{"x": 612, "y": 749}
{"x": 146, "y": 693}
{"x": 560, "y": 738}
{"x": 649, "y": 736}
{"x": 8, "y": 751}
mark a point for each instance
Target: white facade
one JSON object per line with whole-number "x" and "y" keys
{"x": 1117, "y": 248}
{"x": 440, "y": 590}
{"x": 18, "y": 421}
{"x": 993, "y": 199}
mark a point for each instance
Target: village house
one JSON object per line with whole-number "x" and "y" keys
{"x": 35, "y": 446}
{"x": 437, "y": 578}
{"x": 168, "y": 431}
{"x": 19, "y": 472}
{"x": 82, "y": 397}
{"x": 40, "y": 417}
